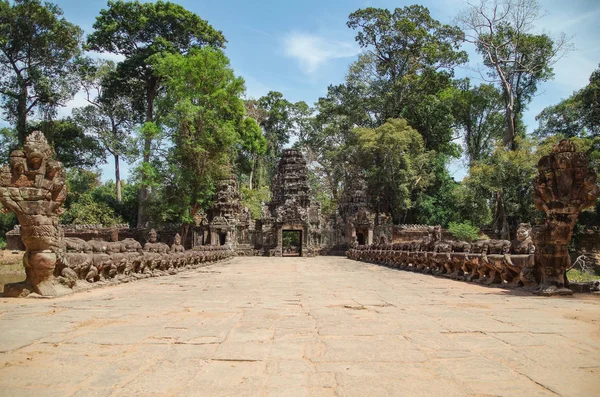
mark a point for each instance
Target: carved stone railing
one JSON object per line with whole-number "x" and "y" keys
{"x": 33, "y": 187}
{"x": 485, "y": 261}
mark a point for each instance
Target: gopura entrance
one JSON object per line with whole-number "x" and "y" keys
{"x": 291, "y": 222}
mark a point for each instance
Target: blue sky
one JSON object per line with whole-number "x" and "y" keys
{"x": 300, "y": 47}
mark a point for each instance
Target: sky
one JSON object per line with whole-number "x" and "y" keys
{"x": 299, "y": 48}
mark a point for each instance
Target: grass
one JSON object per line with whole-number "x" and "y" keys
{"x": 579, "y": 276}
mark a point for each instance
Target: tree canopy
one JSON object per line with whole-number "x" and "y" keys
{"x": 37, "y": 51}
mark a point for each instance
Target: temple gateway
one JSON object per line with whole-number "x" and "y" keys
{"x": 291, "y": 216}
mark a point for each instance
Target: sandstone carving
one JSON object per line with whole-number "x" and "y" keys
{"x": 565, "y": 185}
{"x": 33, "y": 187}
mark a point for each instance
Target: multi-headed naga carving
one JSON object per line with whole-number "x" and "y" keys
{"x": 565, "y": 185}
{"x": 34, "y": 189}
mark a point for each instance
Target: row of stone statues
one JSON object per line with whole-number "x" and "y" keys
{"x": 81, "y": 262}
{"x": 124, "y": 260}
{"x": 483, "y": 261}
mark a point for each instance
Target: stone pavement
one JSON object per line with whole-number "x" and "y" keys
{"x": 322, "y": 326}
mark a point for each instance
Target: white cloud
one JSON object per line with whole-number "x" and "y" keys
{"x": 312, "y": 51}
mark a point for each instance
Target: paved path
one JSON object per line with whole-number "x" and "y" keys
{"x": 300, "y": 327}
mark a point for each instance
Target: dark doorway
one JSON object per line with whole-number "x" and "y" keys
{"x": 222, "y": 238}
{"x": 360, "y": 238}
{"x": 292, "y": 243}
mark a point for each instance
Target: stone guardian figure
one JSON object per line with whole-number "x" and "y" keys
{"x": 34, "y": 188}
{"x": 564, "y": 186}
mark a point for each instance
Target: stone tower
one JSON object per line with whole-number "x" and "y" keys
{"x": 291, "y": 208}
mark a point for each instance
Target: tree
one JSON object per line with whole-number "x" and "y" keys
{"x": 578, "y": 115}
{"x": 406, "y": 42}
{"x": 254, "y": 145}
{"x": 140, "y": 30}
{"x": 446, "y": 200}
{"x": 72, "y": 146}
{"x": 517, "y": 60}
{"x": 110, "y": 116}
{"x": 505, "y": 181}
{"x": 203, "y": 113}
{"x": 478, "y": 114}
{"x": 396, "y": 165}
{"x": 8, "y": 142}
{"x": 410, "y": 59}
{"x": 37, "y": 49}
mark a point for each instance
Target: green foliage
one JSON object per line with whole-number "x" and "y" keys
{"x": 203, "y": 115}
{"x": 510, "y": 172}
{"x": 142, "y": 32}
{"x": 448, "y": 201}
{"x": 37, "y": 49}
{"x": 129, "y": 27}
{"x": 464, "y": 231}
{"x": 408, "y": 40}
{"x": 576, "y": 116}
{"x": 291, "y": 239}
{"x": 578, "y": 276}
{"x": 396, "y": 165}
{"x": 90, "y": 201}
{"x": 86, "y": 210}
{"x": 8, "y": 142}
{"x": 278, "y": 118}
{"x": 254, "y": 199}
{"x": 2, "y": 243}
{"x": 479, "y": 115}
{"x": 73, "y": 147}
{"x": 517, "y": 59}
{"x": 408, "y": 64}
{"x": 126, "y": 208}
{"x": 7, "y": 223}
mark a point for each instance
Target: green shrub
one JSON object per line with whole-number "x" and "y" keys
{"x": 464, "y": 231}
{"x": 88, "y": 211}
{"x": 2, "y": 243}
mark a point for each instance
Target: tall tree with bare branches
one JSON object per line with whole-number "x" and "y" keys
{"x": 516, "y": 58}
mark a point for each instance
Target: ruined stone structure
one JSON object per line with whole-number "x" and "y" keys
{"x": 225, "y": 212}
{"x": 565, "y": 185}
{"x": 356, "y": 220}
{"x": 33, "y": 187}
{"x": 291, "y": 209}
{"x": 56, "y": 263}
{"x": 227, "y": 223}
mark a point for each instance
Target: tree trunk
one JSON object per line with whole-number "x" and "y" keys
{"x": 22, "y": 115}
{"x": 509, "y": 138}
{"x": 184, "y": 234}
{"x": 252, "y": 171}
{"x": 152, "y": 85}
{"x": 118, "y": 177}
